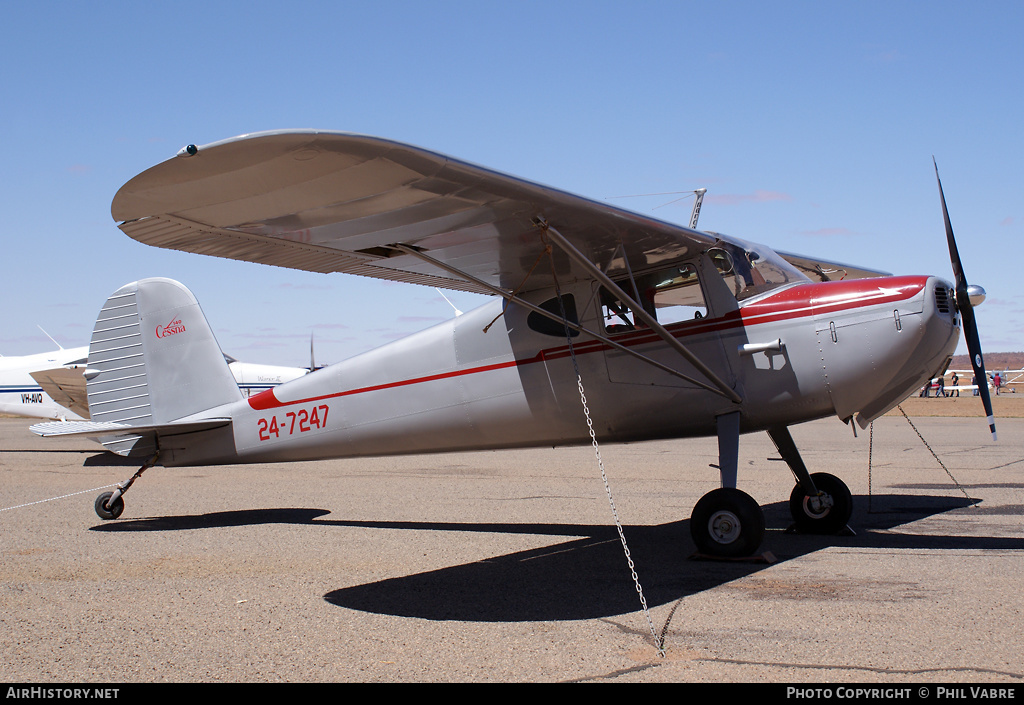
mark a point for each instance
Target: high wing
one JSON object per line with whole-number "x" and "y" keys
{"x": 66, "y": 387}
{"x": 338, "y": 202}
{"x": 335, "y": 202}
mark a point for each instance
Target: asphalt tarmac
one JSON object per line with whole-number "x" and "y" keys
{"x": 506, "y": 566}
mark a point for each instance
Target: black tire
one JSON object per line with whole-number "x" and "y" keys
{"x": 727, "y": 523}
{"x": 825, "y": 520}
{"x": 111, "y": 512}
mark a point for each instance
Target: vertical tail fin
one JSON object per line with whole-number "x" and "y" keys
{"x": 153, "y": 359}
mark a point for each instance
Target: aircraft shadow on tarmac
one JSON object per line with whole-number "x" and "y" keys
{"x": 587, "y": 576}
{"x": 105, "y": 460}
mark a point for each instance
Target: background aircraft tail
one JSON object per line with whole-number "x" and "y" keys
{"x": 153, "y": 360}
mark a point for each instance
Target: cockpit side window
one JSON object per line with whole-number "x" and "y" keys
{"x": 674, "y": 294}
{"x": 670, "y": 295}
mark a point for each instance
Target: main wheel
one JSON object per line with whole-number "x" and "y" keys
{"x": 111, "y": 512}
{"x": 728, "y": 523}
{"x": 822, "y": 515}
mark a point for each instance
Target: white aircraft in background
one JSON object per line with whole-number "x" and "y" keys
{"x": 965, "y": 383}
{"x": 51, "y": 385}
{"x": 21, "y": 384}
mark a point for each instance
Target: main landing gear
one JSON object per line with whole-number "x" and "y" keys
{"x": 825, "y": 512}
{"x": 109, "y": 505}
{"x": 728, "y": 523}
{"x": 820, "y": 503}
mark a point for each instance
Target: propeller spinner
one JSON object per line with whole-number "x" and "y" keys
{"x": 964, "y": 295}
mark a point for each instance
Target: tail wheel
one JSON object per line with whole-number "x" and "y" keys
{"x": 727, "y": 523}
{"x": 113, "y": 511}
{"x": 824, "y": 514}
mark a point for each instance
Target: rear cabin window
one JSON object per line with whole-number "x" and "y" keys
{"x": 547, "y": 326}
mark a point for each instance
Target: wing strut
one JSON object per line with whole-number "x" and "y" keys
{"x": 640, "y": 313}
{"x": 553, "y": 316}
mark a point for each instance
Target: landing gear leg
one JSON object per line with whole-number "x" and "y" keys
{"x": 820, "y": 503}
{"x": 109, "y": 505}
{"x": 727, "y": 522}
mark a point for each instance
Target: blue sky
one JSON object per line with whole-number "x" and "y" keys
{"x": 812, "y": 125}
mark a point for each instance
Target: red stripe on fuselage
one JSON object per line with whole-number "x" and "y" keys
{"x": 801, "y": 301}
{"x": 268, "y": 400}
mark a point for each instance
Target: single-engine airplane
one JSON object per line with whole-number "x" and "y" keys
{"x": 671, "y": 331}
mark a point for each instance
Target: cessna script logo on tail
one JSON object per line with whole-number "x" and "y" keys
{"x": 172, "y": 328}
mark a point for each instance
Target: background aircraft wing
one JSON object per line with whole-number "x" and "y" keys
{"x": 336, "y": 202}
{"x": 818, "y": 269}
{"x": 66, "y": 386}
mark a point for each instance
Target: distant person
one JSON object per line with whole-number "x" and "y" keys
{"x": 940, "y": 391}
{"x": 954, "y": 381}
{"x": 974, "y": 383}
{"x": 925, "y": 388}
{"x": 997, "y": 382}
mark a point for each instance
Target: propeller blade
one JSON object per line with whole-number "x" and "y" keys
{"x": 963, "y": 302}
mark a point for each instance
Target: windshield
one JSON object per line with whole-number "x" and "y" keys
{"x": 751, "y": 269}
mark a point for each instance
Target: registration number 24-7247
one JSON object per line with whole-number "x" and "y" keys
{"x": 293, "y": 422}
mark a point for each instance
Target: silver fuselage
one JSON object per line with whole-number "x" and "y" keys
{"x": 848, "y": 348}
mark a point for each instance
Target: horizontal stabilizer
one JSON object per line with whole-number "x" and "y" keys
{"x": 110, "y": 428}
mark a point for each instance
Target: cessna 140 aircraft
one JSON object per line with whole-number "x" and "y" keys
{"x": 673, "y": 331}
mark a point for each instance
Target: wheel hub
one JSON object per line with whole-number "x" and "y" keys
{"x": 724, "y": 527}
{"x": 818, "y": 507}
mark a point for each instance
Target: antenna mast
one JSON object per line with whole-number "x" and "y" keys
{"x": 696, "y": 207}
